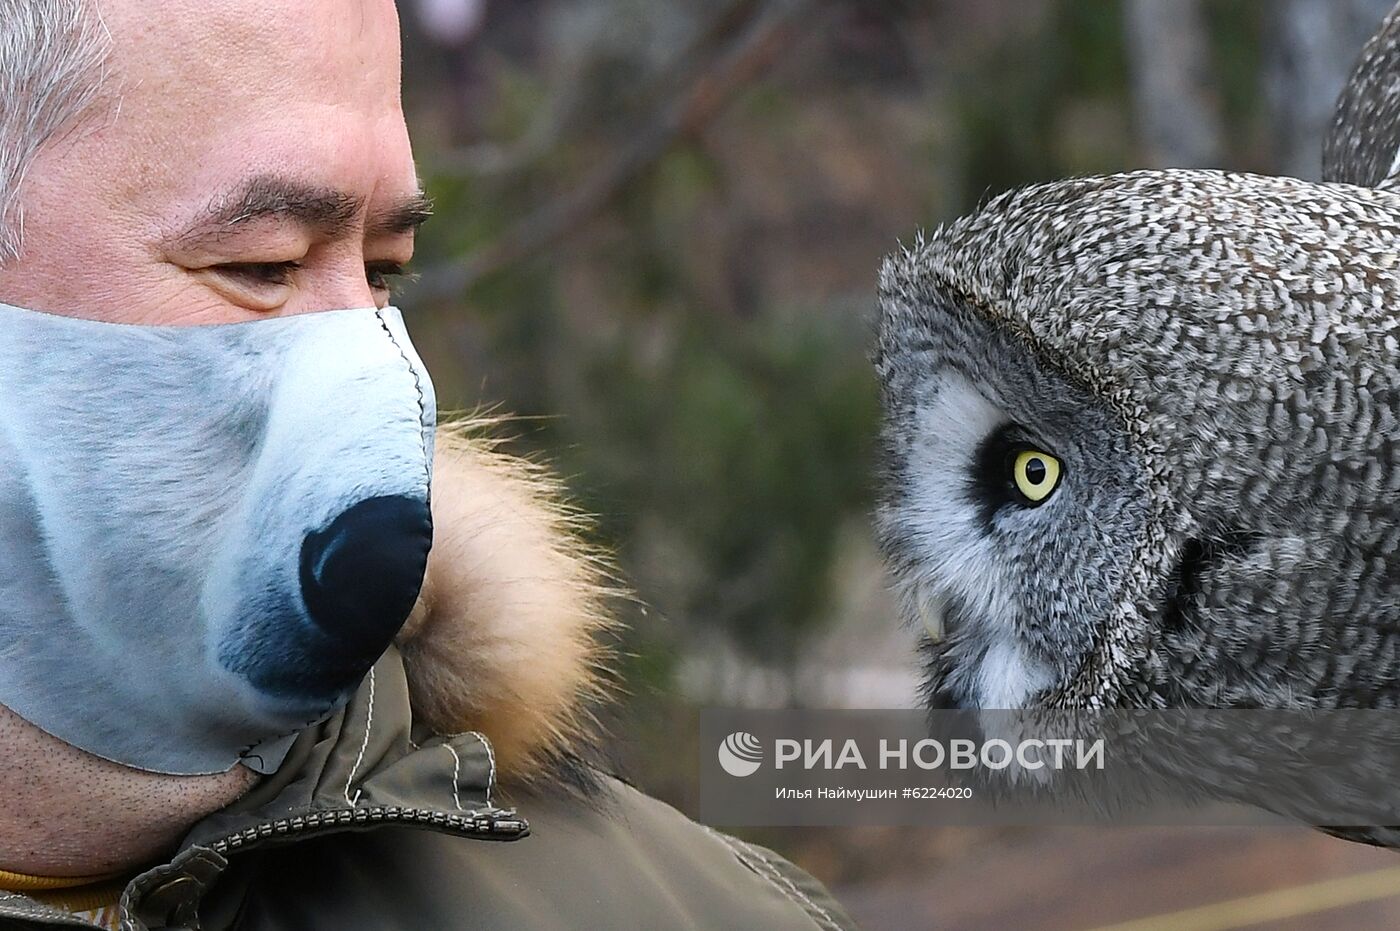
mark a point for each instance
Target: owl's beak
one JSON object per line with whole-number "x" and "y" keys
{"x": 931, "y": 611}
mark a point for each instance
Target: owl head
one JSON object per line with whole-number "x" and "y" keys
{"x": 1142, "y": 434}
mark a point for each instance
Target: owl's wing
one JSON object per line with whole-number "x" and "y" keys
{"x": 1363, "y": 143}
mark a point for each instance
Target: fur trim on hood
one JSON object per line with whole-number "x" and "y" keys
{"x": 507, "y": 635}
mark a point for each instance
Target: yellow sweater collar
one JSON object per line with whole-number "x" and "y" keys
{"x": 23, "y": 882}
{"x": 72, "y": 893}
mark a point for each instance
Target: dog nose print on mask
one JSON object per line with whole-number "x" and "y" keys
{"x": 358, "y": 579}
{"x": 216, "y": 529}
{"x": 360, "y": 576}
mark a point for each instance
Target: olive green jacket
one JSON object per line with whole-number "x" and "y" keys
{"x": 372, "y": 823}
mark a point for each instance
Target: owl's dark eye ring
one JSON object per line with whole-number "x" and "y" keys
{"x": 1012, "y": 469}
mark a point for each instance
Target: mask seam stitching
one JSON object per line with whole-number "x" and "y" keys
{"x": 417, "y": 386}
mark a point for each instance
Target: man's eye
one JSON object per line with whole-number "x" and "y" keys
{"x": 382, "y": 276}
{"x": 261, "y": 273}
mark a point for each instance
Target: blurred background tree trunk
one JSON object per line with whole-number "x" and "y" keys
{"x": 1311, "y": 50}
{"x": 1175, "y": 102}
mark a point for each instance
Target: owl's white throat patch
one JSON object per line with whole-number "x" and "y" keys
{"x": 1007, "y": 677}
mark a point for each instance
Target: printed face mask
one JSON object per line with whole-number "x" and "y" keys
{"x": 208, "y": 534}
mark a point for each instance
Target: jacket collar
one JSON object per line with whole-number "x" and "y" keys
{"x": 365, "y": 767}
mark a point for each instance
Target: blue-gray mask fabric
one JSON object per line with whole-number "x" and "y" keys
{"x": 208, "y": 534}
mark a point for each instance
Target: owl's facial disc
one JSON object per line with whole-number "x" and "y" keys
{"x": 982, "y": 494}
{"x": 1011, "y": 507}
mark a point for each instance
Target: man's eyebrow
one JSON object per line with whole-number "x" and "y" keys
{"x": 328, "y": 211}
{"x": 404, "y": 217}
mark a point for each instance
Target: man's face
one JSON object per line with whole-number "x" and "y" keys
{"x": 252, "y": 161}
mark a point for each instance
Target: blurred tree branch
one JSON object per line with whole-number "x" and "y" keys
{"x": 739, "y": 46}
{"x": 500, "y": 158}
{"x": 496, "y": 158}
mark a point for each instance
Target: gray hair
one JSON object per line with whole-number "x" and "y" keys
{"x": 53, "y": 56}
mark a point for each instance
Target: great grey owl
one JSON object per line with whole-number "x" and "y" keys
{"x": 1142, "y": 433}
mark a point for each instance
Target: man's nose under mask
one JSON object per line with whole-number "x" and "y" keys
{"x": 207, "y": 534}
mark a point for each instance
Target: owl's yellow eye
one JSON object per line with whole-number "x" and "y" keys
{"x": 1036, "y": 473}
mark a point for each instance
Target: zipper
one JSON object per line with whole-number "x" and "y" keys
{"x": 486, "y": 823}
{"x": 501, "y": 824}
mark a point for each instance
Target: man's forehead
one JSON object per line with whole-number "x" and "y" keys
{"x": 309, "y": 40}
{"x": 217, "y": 96}
{"x": 236, "y": 18}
